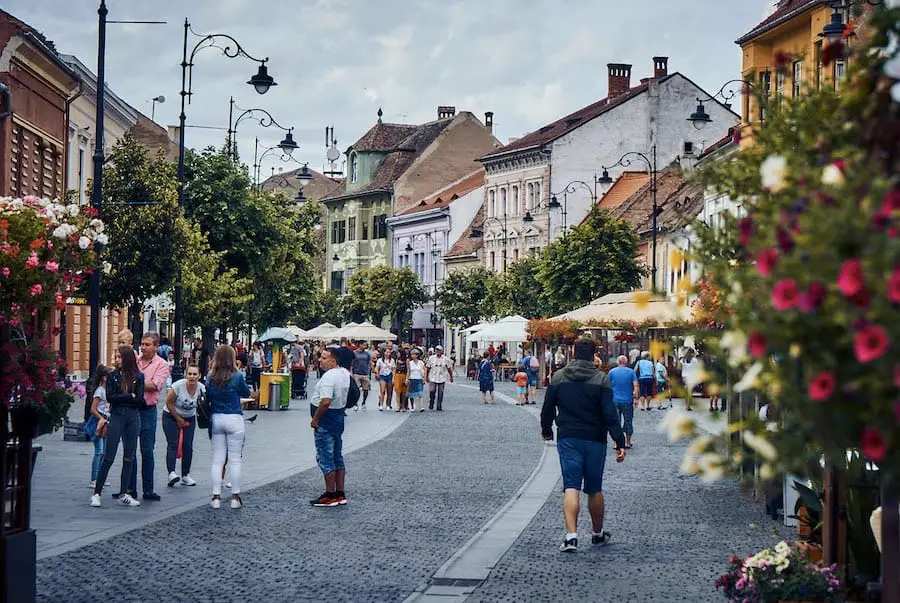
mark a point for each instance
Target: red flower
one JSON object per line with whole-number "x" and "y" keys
{"x": 812, "y": 298}
{"x": 784, "y": 294}
{"x": 745, "y": 227}
{"x": 891, "y": 201}
{"x": 893, "y": 286}
{"x": 832, "y": 52}
{"x": 757, "y": 344}
{"x": 850, "y": 278}
{"x": 36, "y": 244}
{"x": 873, "y": 444}
{"x": 821, "y": 386}
{"x": 785, "y": 241}
{"x": 782, "y": 60}
{"x": 766, "y": 261}
{"x": 861, "y": 299}
{"x": 4, "y": 224}
{"x": 870, "y": 343}
{"x": 823, "y": 198}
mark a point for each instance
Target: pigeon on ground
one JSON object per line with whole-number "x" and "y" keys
{"x": 253, "y": 418}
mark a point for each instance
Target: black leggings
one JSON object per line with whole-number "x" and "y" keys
{"x": 255, "y": 375}
{"x": 125, "y": 425}
{"x": 171, "y": 429}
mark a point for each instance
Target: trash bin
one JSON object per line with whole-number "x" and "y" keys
{"x": 275, "y": 395}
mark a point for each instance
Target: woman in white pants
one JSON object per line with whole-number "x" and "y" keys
{"x": 225, "y": 387}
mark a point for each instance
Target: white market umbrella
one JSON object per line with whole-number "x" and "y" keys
{"x": 511, "y": 328}
{"x": 365, "y": 331}
{"x": 300, "y": 333}
{"x": 622, "y": 307}
{"x": 277, "y": 335}
{"x": 323, "y": 331}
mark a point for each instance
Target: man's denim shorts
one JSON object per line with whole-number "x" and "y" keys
{"x": 329, "y": 450}
{"x": 582, "y": 461}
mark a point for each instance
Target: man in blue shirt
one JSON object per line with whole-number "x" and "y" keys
{"x": 624, "y": 383}
{"x": 645, "y": 376}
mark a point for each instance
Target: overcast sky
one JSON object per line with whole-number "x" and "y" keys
{"x": 337, "y": 61}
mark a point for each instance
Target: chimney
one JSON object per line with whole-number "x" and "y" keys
{"x": 660, "y": 67}
{"x": 489, "y": 121}
{"x": 174, "y": 133}
{"x": 445, "y": 112}
{"x": 619, "y": 79}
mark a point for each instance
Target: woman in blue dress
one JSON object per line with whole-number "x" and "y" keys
{"x": 486, "y": 378}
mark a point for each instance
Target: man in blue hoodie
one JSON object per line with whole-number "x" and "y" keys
{"x": 580, "y": 401}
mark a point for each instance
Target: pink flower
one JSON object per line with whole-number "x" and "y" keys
{"x": 891, "y": 202}
{"x": 870, "y": 343}
{"x": 52, "y": 266}
{"x": 32, "y": 261}
{"x": 745, "y": 228}
{"x": 784, "y": 294}
{"x": 766, "y": 261}
{"x": 861, "y": 299}
{"x": 757, "y": 344}
{"x": 36, "y": 289}
{"x": 812, "y": 298}
{"x": 873, "y": 444}
{"x": 5, "y": 271}
{"x": 850, "y": 278}
{"x": 893, "y": 285}
{"x": 821, "y": 386}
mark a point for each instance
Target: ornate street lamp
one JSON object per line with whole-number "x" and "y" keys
{"x": 265, "y": 120}
{"x": 834, "y": 29}
{"x": 699, "y": 118}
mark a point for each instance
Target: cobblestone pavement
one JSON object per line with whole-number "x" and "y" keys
{"x": 672, "y": 535}
{"x": 415, "y": 498}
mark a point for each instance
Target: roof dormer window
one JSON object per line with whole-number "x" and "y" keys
{"x": 354, "y": 167}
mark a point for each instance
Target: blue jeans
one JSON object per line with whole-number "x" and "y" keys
{"x": 171, "y": 429}
{"x": 582, "y": 461}
{"x": 99, "y": 450}
{"x": 148, "y": 444}
{"x": 626, "y": 416}
{"x": 329, "y": 451}
{"x": 124, "y": 425}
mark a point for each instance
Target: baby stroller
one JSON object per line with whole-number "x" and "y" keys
{"x": 298, "y": 381}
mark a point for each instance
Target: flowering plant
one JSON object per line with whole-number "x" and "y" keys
{"x": 811, "y": 269}
{"x": 781, "y": 573}
{"x": 46, "y": 252}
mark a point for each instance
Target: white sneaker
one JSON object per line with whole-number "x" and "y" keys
{"x": 228, "y": 485}
{"x": 216, "y": 503}
{"x": 236, "y": 503}
{"x": 173, "y": 478}
{"x": 187, "y": 480}
{"x": 127, "y": 499}
{"x": 95, "y": 500}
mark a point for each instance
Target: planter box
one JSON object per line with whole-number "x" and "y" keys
{"x": 19, "y": 554}
{"x": 74, "y": 432}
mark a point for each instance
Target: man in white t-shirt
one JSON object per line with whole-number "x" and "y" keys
{"x": 326, "y": 406}
{"x": 438, "y": 370}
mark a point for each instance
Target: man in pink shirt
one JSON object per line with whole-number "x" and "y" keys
{"x": 156, "y": 373}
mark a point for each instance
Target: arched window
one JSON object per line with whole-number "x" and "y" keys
{"x": 530, "y": 201}
{"x": 503, "y": 201}
{"x": 492, "y": 210}
{"x": 354, "y": 167}
{"x": 515, "y": 200}
{"x": 537, "y": 195}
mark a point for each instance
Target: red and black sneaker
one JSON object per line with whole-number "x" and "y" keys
{"x": 326, "y": 499}
{"x": 341, "y": 498}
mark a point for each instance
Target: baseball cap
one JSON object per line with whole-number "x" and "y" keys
{"x": 439, "y": 347}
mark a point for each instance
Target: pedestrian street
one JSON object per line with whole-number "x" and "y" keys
{"x": 419, "y": 491}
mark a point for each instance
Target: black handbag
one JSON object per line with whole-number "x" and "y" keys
{"x": 204, "y": 411}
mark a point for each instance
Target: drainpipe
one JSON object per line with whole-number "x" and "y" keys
{"x": 66, "y": 150}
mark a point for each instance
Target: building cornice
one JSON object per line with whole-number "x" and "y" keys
{"x": 422, "y": 216}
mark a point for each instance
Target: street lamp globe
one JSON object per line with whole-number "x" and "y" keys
{"x": 304, "y": 176}
{"x": 604, "y": 179}
{"x": 700, "y": 117}
{"x": 335, "y": 258}
{"x": 834, "y": 30}
{"x": 554, "y": 203}
{"x": 528, "y": 218}
{"x": 262, "y": 81}
{"x": 299, "y": 197}
{"x": 288, "y": 145}
{"x": 408, "y": 247}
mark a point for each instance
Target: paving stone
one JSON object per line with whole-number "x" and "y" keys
{"x": 415, "y": 498}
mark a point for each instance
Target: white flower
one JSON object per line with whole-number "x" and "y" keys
{"x": 84, "y": 242}
{"x": 700, "y": 444}
{"x": 832, "y": 175}
{"x": 97, "y": 225}
{"x": 892, "y": 68}
{"x": 735, "y": 343}
{"x": 783, "y": 548}
{"x": 749, "y": 379}
{"x": 73, "y": 210}
{"x": 766, "y": 471}
{"x": 688, "y": 466}
{"x": 107, "y": 267}
{"x": 102, "y": 239}
{"x": 712, "y": 467}
{"x": 678, "y": 425}
{"x": 773, "y": 171}
{"x": 62, "y": 231}
{"x": 761, "y": 445}
{"x": 695, "y": 377}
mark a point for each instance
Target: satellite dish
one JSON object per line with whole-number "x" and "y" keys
{"x": 333, "y": 154}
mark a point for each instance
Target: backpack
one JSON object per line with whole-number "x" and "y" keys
{"x": 353, "y": 394}
{"x": 533, "y": 363}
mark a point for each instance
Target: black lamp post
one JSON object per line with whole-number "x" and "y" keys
{"x": 552, "y": 204}
{"x": 699, "y": 118}
{"x": 286, "y": 147}
{"x": 261, "y": 82}
{"x": 475, "y": 233}
{"x": 624, "y": 161}
{"x": 266, "y": 121}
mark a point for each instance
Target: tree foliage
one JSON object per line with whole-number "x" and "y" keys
{"x": 383, "y": 291}
{"x": 462, "y": 296}
{"x": 140, "y": 210}
{"x": 593, "y": 259}
{"x": 518, "y": 290}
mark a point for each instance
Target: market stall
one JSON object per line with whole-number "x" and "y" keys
{"x": 278, "y": 337}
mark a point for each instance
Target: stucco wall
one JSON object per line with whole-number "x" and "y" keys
{"x": 360, "y": 253}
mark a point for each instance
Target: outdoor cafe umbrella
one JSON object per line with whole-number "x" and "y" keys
{"x": 278, "y": 336}
{"x": 323, "y": 331}
{"x": 365, "y": 331}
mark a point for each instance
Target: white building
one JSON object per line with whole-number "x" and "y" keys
{"x": 423, "y": 233}
{"x": 565, "y": 158}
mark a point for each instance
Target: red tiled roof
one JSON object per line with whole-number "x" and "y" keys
{"x": 719, "y": 144}
{"x": 446, "y": 195}
{"x": 677, "y": 198}
{"x": 786, "y": 10}
{"x": 383, "y": 137}
{"x": 568, "y": 123}
{"x": 467, "y": 244}
{"x": 624, "y": 186}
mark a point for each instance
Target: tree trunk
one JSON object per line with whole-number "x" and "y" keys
{"x": 223, "y": 333}
{"x": 135, "y": 324}
{"x": 208, "y": 337}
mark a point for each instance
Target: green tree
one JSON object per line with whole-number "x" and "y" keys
{"x": 326, "y": 308}
{"x": 382, "y": 291}
{"x": 593, "y": 259}
{"x": 146, "y": 237}
{"x": 518, "y": 290}
{"x": 462, "y": 297}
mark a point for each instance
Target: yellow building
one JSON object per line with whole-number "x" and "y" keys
{"x": 791, "y": 35}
